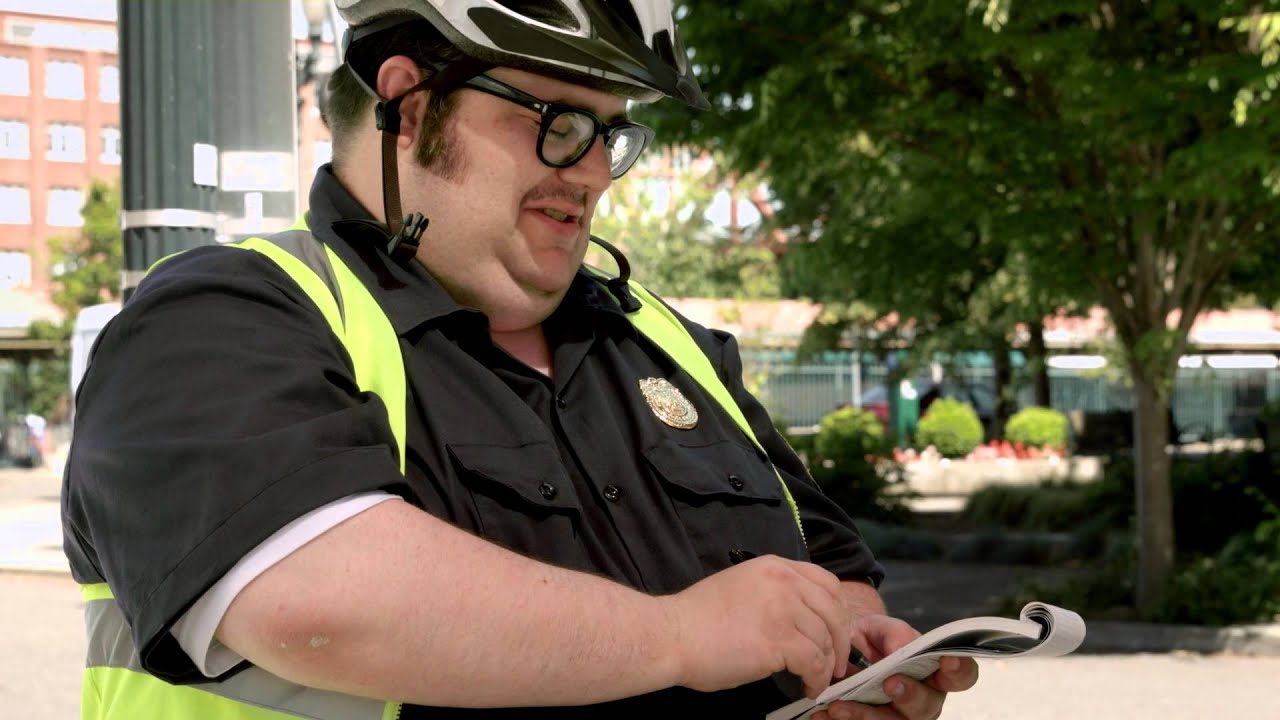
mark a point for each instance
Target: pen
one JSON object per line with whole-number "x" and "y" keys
{"x": 856, "y": 657}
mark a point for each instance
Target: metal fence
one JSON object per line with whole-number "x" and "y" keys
{"x": 1207, "y": 403}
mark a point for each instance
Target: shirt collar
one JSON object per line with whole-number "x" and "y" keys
{"x": 409, "y": 294}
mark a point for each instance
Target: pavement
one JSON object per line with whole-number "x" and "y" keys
{"x": 926, "y": 594}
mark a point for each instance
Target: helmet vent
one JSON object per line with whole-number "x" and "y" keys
{"x": 553, "y": 13}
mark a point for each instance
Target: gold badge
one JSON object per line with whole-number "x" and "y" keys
{"x": 668, "y": 404}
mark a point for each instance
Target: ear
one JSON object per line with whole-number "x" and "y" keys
{"x": 396, "y": 76}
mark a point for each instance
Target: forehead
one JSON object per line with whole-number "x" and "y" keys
{"x": 603, "y": 104}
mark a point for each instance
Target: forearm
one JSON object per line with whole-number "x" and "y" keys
{"x": 862, "y": 599}
{"x": 396, "y": 604}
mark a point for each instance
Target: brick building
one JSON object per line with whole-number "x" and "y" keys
{"x": 60, "y": 127}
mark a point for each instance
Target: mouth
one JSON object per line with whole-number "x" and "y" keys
{"x": 560, "y": 216}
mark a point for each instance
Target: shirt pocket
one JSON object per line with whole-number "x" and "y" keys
{"x": 524, "y": 498}
{"x": 727, "y": 498}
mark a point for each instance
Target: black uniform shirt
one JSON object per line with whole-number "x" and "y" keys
{"x": 218, "y": 407}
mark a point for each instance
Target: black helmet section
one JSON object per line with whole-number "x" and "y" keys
{"x": 615, "y": 47}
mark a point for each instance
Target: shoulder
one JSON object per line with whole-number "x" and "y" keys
{"x": 713, "y": 342}
{"x": 213, "y": 268}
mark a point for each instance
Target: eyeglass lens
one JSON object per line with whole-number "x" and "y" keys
{"x": 571, "y": 134}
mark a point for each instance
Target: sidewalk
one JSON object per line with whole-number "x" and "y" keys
{"x": 30, "y": 522}
{"x": 924, "y": 594}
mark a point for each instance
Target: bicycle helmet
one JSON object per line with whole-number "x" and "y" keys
{"x": 627, "y": 47}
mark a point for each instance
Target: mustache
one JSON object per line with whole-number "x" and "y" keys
{"x": 557, "y": 192}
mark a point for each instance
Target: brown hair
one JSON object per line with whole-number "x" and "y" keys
{"x": 346, "y": 102}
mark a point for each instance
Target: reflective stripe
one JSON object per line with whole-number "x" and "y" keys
{"x": 369, "y": 338}
{"x": 115, "y": 686}
{"x": 311, "y": 282}
{"x": 253, "y": 693}
{"x": 656, "y": 322}
{"x": 374, "y": 348}
{"x": 97, "y": 591}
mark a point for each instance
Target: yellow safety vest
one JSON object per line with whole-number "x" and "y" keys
{"x": 115, "y": 686}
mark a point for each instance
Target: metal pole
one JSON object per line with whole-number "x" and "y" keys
{"x": 255, "y": 116}
{"x": 169, "y": 163}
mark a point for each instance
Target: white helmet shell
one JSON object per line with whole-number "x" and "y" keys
{"x": 628, "y": 47}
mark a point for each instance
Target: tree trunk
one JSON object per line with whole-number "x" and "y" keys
{"x": 1153, "y": 492}
{"x": 1038, "y": 358}
{"x": 1002, "y": 403}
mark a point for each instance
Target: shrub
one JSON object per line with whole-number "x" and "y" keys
{"x": 1037, "y": 427}
{"x": 1214, "y": 496}
{"x": 1053, "y": 506}
{"x": 848, "y": 435}
{"x": 849, "y": 463}
{"x": 950, "y": 426}
{"x": 1241, "y": 584}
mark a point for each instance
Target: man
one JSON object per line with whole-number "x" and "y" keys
{"x": 428, "y": 466}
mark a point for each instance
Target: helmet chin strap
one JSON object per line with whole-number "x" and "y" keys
{"x": 618, "y": 286}
{"x": 404, "y": 233}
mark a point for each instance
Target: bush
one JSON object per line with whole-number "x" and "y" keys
{"x": 1214, "y": 496}
{"x": 1037, "y": 427}
{"x": 1241, "y": 584}
{"x": 1053, "y": 506}
{"x": 849, "y": 435}
{"x": 849, "y": 464}
{"x": 950, "y": 426}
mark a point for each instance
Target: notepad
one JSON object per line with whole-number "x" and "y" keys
{"x": 1041, "y": 630}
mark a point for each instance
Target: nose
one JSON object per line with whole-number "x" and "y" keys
{"x": 592, "y": 170}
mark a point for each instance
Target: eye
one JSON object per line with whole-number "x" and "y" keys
{"x": 562, "y": 128}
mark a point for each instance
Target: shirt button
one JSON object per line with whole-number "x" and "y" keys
{"x": 561, "y": 403}
{"x": 548, "y": 490}
{"x": 735, "y": 482}
{"x": 612, "y": 493}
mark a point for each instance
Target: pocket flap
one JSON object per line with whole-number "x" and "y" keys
{"x": 722, "y": 469}
{"x": 531, "y": 471}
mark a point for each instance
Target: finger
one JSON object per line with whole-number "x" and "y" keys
{"x": 809, "y": 661}
{"x": 831, "y": 609}
{"x": 914, "y": 699}
{"x": 954, "y": 674}
{"x": 881, "y": 635}
{"x": 818, "y": 575}
{"x": 857, "y": 711}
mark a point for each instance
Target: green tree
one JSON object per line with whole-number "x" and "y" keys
{"x": 658, "y": 216}
{"x": 86, "y": 271}
{"x": 1020, "y": 153}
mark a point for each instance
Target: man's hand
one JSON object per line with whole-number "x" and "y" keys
{"x": 878, "y": 636}
{"x": 757, "y": 618}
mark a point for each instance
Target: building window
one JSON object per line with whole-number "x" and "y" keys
{"x": 15, "y": 140}
{"x": 110, "y": 146}
{"x": 15, "y": 269}
{"x": 63, "y": 80}
{"x": 15, "y": 205}
{"x": 109, "y": 83}
{"x": 64, "y": 207}
{"x": 15, "y": 76}
{"x": 66, "y": 143}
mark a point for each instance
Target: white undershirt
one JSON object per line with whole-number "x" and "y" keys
{"x": 195, "y": 629}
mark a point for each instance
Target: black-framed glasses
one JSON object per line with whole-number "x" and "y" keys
{"x": 568, "y": 132}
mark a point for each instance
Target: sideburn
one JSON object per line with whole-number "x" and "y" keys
{"x": 437, "y": 147}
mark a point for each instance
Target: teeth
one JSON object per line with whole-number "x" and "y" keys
{"x": 555, "y": 214}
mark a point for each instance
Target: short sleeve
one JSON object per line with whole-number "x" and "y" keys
{"x": 217, "y": 407}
